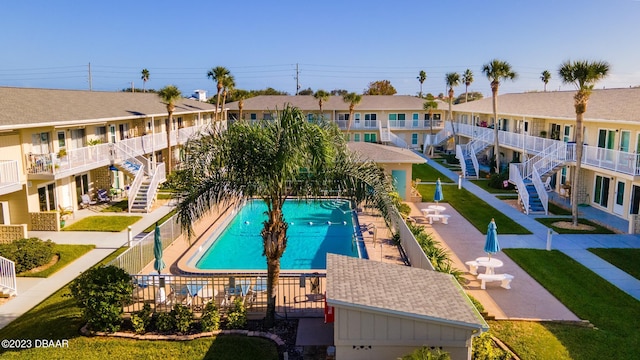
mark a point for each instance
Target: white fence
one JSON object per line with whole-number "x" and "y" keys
{"x": 8, "y": 276}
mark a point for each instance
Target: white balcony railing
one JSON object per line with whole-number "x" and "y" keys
{"x": 9, "y": 176}
{"x": 516, "y": 177}
{"x": 8, "y": 276}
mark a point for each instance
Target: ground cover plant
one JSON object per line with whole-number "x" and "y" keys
{"x": 66, "y": 255}
{"x": 114, "y": 223}
{"x": 28, "y": 253}
{"x": 597, "y": 229}
{"x": 590, "y": 297}
{"x": 59, "y": 318}
{"x": 624, "y": 259}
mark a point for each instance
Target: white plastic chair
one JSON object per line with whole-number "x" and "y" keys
{"x": 547, "y": 185}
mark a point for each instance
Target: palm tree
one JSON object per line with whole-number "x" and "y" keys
{"x": 217, "y": 74}
{"x": 241, "y": 95}
{"x": 322, "y": 96}
{"x": 421, "y": 78}
{"x": 584, "y": 75}
{"x": 496, "y": 71}
{"x": 452, "y": 80}
{"x": 228, "y": 84}
{"x": 169, "y": 95}
{"x": 286, "y": 158}
{"x": 545, "y": 76}
{"x": 353, "y": 99}
{"x": 467, "y": 79}
{"x": 145, "y": 78}
{"x": 429, "y": 106}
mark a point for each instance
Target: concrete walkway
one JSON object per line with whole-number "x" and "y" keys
{"x": 32, "y": 291}
{"x": 572, "y": 245}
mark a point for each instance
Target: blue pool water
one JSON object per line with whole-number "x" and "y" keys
{"x": 315, "y": 229}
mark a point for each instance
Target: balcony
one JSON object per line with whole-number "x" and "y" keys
{"x": 416, "y": 125}
{"x": 9, "y": 177}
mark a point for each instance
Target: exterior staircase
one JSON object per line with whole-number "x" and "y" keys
{"x": 385, "y": 134}
{"x": 436, "y": 139}
{"x": 469, "y": 168}
{"x": 535, "y": 204}
{"x": 141, "y": 200}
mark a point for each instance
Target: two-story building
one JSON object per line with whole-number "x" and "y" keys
{"x": 536, "y": 134}
{"x": 58, "y": 145}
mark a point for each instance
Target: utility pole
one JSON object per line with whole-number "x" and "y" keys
{"x": 297, "y": 79}
{"x": 132, "y": 89}
{"x": 90, "y": 88}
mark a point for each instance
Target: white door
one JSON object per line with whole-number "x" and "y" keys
{"x": 618, "y": 205}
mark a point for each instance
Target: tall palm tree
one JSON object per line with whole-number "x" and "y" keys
{"x": 467, "y": 79}
{"x": 353, "y": 99}
{"x": 452, "y": 80}
{"x": 584, "y": 75}
{"x": 228, "y": 84}
{"x": 145, "y": 78}
{"x": 241, "y": 95}
{"x": 496, "y": 71}
{"x": 430, "y": 105}
{"x": 322, "y": 97}
{"x": 169, "y": 95}
{"x": 422, "y": 76}
{"x": 217, "y": 74}
{"x": 545, "y": 76}
{"x": 281, "y": 159}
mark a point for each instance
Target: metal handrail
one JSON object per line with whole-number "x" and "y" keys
{"x": 8, "y": 275}
{"x": 515, "y": 177}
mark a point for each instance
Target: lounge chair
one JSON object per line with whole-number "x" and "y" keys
{"x": 547, "y": 184}
{"x": 103, "y": 196}
{"x": 86, "y": 201}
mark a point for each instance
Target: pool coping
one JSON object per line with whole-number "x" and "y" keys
{"x": 185, "y": 268}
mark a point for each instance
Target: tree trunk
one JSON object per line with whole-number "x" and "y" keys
{"x": 274, "y": 237}
{"x": 218, "y": 99}
{"x": 450, "y": 116}
{"x": 496, "y": 143}
{"x": 273, "y": 273}
{"x": 240, "y": 107}
{"x": 581, "y": 106}
{"x": 168, "y": 124}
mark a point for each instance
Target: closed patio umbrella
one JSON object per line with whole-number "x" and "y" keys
{"x": 438, "y": 194}
{"x": 491, "y": 245}
{"x": 158, "y": 264}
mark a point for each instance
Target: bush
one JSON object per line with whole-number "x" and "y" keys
{"x": 101, "y": 292}
{"x": 210, "y": 320}
{"x": 427, "y": 353}
{"x": 451, "y": 159}
{"x": 28, "y": 253}
{"x": 141, "y": 319}
{"x": 496, "y": 181}
{"x": 484, "y": 349}
{"x": 182, "y": 318}
{"x": 164, "y": 322}
{"x": 237, "y": 318}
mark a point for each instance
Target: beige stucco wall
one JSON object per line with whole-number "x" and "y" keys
{"x": 18, "y": 210}
{"x": 388, "y": 168}
{"x": 360, "y": 334}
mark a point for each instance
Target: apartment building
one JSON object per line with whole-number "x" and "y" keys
{"x": 56, "y": 146}
{"x": 536, "y": 135}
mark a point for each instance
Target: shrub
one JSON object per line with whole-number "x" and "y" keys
{"x": 496, "y": 181}
{"x": 28, "y": 253}
{"x": 182, "y": 318}
{"x": 484, "y": 349}
{"x": 164, "y": 322}
{"x": 427, "y": 353}
{"x": 141, "y": 319}
{"x": 210, "y": 320}
{"x": 101, "y": 292}
{"x": 451, "y": 159}
{"x": 237, "y": 318}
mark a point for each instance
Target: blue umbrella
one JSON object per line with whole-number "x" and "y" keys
{"x": 491, "y": 245}
{"x": 157, "y": 251}
{"x": 438, "y": 195}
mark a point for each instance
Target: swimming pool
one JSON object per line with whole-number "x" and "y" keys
{"x": 315, "y": 229}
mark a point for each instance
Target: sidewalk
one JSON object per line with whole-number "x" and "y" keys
{"x": 32, "y": 291}
{"x": 574, "y": 246}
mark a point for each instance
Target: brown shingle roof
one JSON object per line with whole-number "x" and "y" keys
{"x": 398, "y": 289}
{"x": 607, "y": 105}
{"x": 33, "y": 107}
{"x": 385, "y": 154}
{"x": 309, "y": 103}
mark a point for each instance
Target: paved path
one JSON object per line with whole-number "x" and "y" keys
{"x": 32, "y": 291}
{"x": 574, "y": 246}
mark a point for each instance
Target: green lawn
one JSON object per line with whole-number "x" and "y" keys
{"x": 613, "y": 313}
{"x": 624, "y": 259}
{"x": 115, "y": 223}
{"x": 120, "y": 206}
{"x": 58, "y": 318}
{"x": 484, "y": 184}
{"x": 67, "y": 254}
{"x": 427, "y": 173}
{"x": 558, "y": 210}
{"x": 598, "y": 229}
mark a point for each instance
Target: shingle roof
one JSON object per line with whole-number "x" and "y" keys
{"x": 309, "y": 103}
{"x": 385, "y": 154}
{"x": 398, "y": 289}
{"x": 31, "y": 107}
{"x": 607, "y": 105}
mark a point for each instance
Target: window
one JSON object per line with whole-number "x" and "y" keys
{"x": 253, "y": 116}
{"x": 40, "y": 143}
{"x": 414, "y": 139}
{"x": 567, "y": 132}
{"x": 416, "y": 118}
{"x": 77, "y": 138}
{"x": 397, "y": 120}
{"x": 601, "y": 191}
{"x": 356, "y": 119}
{"x": 124, "y": 131}
{"x": 343, "y": 117}
{"x": 46, "y": 197}
{"x": 61, "y": 140}
{"x": 370, "y": 120}
{"x": 356, "y": 137}
{"x": 101, "y": 133}
{"x": 370, "y": 137}
{"x": 393, "y": 119}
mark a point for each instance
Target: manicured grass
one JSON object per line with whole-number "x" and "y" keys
{"x": 597, "y": 228}
{"x": 427, "y": 173}
{"x": 484, "y": 184}
{"x": 103, "y": 223}
{"x": 58, "y": 318}
{"x": 590, "y": 297}
{"x": 531, "y": 340}
{"x": 624, "y": 259}
{"x": 67, "y": 254}
{"x": 120, "y": 206}
{"x": 160, "y": 221}
{"x": 507, "y": 197}
{"x": 164, "y": 196}
{"x": 558, "y": 210}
